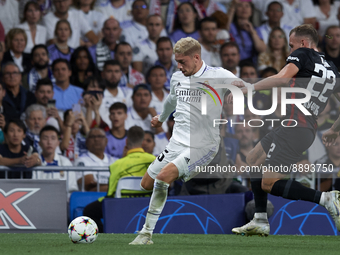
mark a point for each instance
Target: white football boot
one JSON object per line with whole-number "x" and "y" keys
{"x": 142, "y": 239}
{"x": 258, "y": 227}
{"x": 332, "y": 204}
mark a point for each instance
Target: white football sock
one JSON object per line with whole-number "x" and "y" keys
{"x": 157, "y": 202}
{"x": 262, "y": 216}
{"x": 322, "y": 199}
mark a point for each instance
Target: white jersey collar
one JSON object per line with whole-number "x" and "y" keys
{"x": 201, "y": 71}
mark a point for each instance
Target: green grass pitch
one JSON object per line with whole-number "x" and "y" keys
{"x": 23, "y": 244}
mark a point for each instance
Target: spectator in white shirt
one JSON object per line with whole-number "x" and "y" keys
{"x": 95, "y": 18}
{"x": 117, "y": 9}
{"x": 157, "y": 79}
{"x": 49, "y": 142}
{"x": 36, "y": 34}
{"x": 210, "y": 50}
{"x": 230, "y": 57}
{"x": 135, "y": 31}
{"x": 274, "y": 13}
{"x": 140, "y": 114}
{"x": 326, "y": 12}
{"x": 207, "y": 7}
{"x": 145, "y": 55}
{"x": 165, "y": 58}
{"x": 44, "y": 5}
{"x": 9, "y": 14}
{"x": 298, "y": 12}
{"x": 111, "y": 75}
{"x": 79, "y": 25}
{"x": 95, "y": 142}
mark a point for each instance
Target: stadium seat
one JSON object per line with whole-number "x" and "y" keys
{"x": 79, "y": 200}
{"x": 128, "y": 183}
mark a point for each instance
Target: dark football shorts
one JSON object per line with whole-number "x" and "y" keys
{"x": 285, "y": 145}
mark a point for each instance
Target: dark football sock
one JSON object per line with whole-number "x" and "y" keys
{"x": 295, "y": 190}
{"x": 260, "y": 196}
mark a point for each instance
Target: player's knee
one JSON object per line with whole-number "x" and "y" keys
{"x": 145, "y": 185}
{"x": 165, "y": 176}
{"x": 162, "y": 176}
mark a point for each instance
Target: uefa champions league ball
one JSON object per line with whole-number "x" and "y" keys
{"x": 83, "y": 230}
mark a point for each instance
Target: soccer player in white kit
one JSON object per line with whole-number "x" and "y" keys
{"x": 195, "y": 141}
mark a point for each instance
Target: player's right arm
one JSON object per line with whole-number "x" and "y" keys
{"x": 170, "y": 103}
{"x": 295, "y": 62}
{"x": 278, "y": 80}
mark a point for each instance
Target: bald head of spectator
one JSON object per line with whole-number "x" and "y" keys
{"x": 111, "y": 32}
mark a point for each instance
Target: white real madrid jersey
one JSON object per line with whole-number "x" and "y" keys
{"x": 192, "y": 128}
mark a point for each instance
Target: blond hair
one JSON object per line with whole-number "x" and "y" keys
{"x": 187, "y": 46}
{"x": 12, "y": 33}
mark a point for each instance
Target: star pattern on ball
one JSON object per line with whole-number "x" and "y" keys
{"x": 71, "y": 228}
{"x": 86, "y": 222}
{"x": 83, "y": 236}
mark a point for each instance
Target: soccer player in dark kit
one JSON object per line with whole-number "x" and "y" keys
{"x": 306, "y": 68}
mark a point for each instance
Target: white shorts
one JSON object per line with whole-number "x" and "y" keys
{"x": 184, "y": 158}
